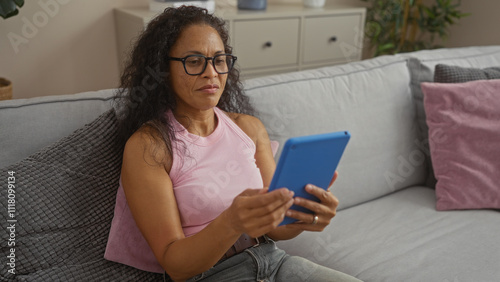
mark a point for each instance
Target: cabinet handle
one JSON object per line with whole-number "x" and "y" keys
{"x": 268, "y": 44}
{"x": 333, "y": 39}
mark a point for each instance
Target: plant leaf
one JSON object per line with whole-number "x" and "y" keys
{"x": 19, "y": 3}
{"x": 388, "y": 21}
{"x": 8, "y": 8}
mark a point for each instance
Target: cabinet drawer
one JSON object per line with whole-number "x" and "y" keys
{"x": 332, "y": 38}
{"x": 266, "y": 43}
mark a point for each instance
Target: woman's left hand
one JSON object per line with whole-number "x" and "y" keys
{"x": 323, "y": 212}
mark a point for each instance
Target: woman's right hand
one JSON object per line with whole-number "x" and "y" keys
{"x": 256, "y": 212}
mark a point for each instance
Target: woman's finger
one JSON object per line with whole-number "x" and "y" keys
{"x": 307, "y": 221}
{"x": 335, "y": 175}
{"x": 253, "y": 210}
{"x": 325, "y": 196}
{"x": 279, "y": 206}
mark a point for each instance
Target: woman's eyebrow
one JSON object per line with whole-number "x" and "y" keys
{"x": 200, "y": 53}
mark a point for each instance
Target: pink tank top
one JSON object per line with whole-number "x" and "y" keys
{"x": 207, "y": 173}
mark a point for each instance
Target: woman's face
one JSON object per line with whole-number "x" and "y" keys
{"x": 198, "y": 92}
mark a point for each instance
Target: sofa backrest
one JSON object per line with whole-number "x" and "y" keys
{"x": 27, "y": 125}
{"x": 372, "y": 100}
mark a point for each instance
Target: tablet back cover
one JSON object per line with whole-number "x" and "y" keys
{"x": 306, "y": 160}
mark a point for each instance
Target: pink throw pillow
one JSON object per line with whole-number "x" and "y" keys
{"x": 274, "y": 147}
{"x": 464, "y": 139}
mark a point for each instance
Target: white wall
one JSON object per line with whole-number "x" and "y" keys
{"x": 69, "y": 46}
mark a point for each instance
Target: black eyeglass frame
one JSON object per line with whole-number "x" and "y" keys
{"x": 183, "y": 60}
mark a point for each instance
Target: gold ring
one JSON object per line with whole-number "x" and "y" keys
{"x": 315, "y": 220}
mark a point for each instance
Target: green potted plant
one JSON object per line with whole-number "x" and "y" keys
{"x": 396, "y": 26}
{"x": 8, "y": 8}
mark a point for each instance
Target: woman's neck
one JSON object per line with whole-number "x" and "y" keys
{"x": 201, "y": 123}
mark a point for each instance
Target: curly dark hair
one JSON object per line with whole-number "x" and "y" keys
{"x": 145, "y": 93}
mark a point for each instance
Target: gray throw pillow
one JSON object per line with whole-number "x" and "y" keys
{"x": 455, "y": 74}
{"x": 421, "y": 73}
{"x": 64, "y": 201}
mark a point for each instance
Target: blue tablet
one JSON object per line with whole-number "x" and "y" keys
{"x": 306, "y": 160}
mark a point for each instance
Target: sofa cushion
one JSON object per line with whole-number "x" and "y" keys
{"x": 401, "y": 237}
{"x": 422, "y": 65}
{"x": 371, "y": 99}
{"x": 454, "y": 74}
{"x": 464, "y": 138}
{"x": 31, "y": 124}
{"x": 64, "y": 200}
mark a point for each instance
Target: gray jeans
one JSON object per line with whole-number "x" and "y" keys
{"x": 268, "y": 263}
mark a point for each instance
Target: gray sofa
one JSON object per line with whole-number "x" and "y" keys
{"x": 387, "y": 227}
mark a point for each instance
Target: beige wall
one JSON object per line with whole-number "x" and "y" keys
{"x": 58, "y": 47}
{"x": 480, "y": 28}
{"x": 61, "y": 46}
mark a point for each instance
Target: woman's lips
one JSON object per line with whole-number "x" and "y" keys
{"x": 209, "y": 88}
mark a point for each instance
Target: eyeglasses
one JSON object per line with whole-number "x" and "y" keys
{"x": 196, "y": 64}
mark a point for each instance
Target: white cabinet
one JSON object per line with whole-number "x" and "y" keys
{"x": 331, "y": 38}
{"x": 284, "y": 37}
{"x": 261, "y": 44}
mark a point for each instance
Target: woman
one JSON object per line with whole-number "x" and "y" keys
{"x": 195, "y": 162}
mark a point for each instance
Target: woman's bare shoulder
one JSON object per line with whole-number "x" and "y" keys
{"x": 146, "y": 143}
{"x": 251, "y": 125}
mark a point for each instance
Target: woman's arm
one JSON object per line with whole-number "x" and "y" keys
{"x": 325, "y": 210}
{"x": 264, "y": 159}
{"x": 149, "y": 192}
